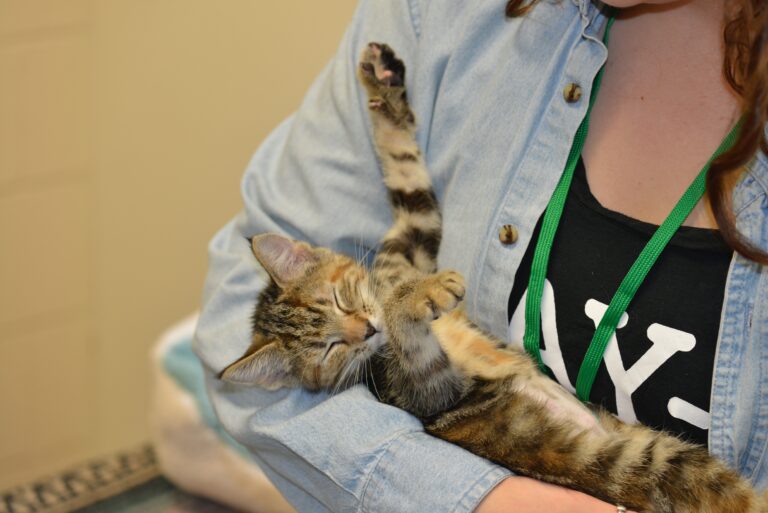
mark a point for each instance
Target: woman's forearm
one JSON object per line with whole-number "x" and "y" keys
{"x": 519, "y": 494}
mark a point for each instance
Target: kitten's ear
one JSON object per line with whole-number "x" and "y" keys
{"x": 284, "y": 259}
{"x": 268, "y": 367}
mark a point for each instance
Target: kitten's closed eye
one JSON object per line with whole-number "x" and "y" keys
{"x": 334, "y": 344}
{"x": 341, "y": 305}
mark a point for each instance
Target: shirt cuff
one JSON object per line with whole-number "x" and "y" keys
{"x": 454, "y": 480}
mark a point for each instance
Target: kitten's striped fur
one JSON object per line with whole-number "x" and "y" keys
{"x": 465, "y": 385}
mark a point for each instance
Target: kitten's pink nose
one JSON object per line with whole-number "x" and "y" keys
{"x": 369, "y": 330}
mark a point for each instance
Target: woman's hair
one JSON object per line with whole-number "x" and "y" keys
{"x": 745, "y": 67}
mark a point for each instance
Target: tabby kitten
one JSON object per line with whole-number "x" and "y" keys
{"x": 324, "y": 318}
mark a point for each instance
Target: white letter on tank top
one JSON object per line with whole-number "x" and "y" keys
{"x": 683, "y": 410}
{"x": 552, "y": 356}
{"x": 666, "y": 342}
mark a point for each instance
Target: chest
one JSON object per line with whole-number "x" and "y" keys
{"x": 658, "y": 365}
{"x": 657, "y": 119}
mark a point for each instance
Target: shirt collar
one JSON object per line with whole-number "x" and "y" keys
{"x": 583, "y": 6}
{"x": 591, "y": 12}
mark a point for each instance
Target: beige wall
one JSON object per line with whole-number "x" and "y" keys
{"x": 124, "y": 128}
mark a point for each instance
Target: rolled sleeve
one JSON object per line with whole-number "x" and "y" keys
{"x": 350, "y": 453}
{"x": 454, "y": 480}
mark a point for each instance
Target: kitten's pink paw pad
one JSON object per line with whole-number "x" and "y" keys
{"x": 381, "y": 67}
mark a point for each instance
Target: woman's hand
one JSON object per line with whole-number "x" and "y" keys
{"x": 526, "y": 495}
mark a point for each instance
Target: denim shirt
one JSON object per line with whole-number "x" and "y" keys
{"x": 495, "y": 129}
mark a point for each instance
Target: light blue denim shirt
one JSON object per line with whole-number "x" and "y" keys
{"x": 496, "y": 131}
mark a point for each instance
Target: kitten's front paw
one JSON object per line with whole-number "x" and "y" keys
{"x": 443, "y": 292}
{"x": 383, "y": 76}
{"x": 380, "y": 68}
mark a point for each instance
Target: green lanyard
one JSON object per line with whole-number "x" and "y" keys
{"x": 637, "y": 272}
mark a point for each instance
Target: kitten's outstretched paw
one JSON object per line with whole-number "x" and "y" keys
{"x": 443, "y": 291}
{"x": 383, "y": 76}
{"x": 380, "y": 67}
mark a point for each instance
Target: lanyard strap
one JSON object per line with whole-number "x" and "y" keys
{"x": 637, "y": 273}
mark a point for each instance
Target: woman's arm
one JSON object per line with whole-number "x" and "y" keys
{"x": 529, "y": 495}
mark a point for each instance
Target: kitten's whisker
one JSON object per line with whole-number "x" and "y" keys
{"x": 340, "y": 380}
{"x": 373, "y": 380}
{"x": 348, "y": 374}
{"x": 358, "y": 249}
{"x": 357, "y": 374}
{"x": 365, "y": 256}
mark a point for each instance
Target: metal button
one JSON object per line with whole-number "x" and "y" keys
{"x": 508, "y": 234}
{"x": 572, "y": 93}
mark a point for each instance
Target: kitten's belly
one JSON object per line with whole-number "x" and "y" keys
{"x": 560, "y": 404}
{"x": 477, "y": 354}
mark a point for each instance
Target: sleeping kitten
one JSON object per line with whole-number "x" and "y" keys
{"x": 323, "y": 318}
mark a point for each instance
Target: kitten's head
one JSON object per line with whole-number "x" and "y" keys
{"x": 315, "y": 325}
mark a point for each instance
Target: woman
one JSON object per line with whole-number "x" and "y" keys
{"x": 499, "y": 100}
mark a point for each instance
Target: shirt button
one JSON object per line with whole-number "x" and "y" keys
{"x": 508, "y": 234}
{"x": 572, "y": 93}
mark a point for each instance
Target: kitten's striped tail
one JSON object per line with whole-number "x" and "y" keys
{"x": 414, "y": 238}
{"x": 677, "y": 476}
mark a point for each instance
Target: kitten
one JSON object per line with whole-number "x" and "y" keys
{"x": 323, "y": 321}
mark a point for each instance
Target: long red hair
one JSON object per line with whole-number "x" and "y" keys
{"x": 745, "y": 67}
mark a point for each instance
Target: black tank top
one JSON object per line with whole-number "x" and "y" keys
{"x": 659, "y": 372}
